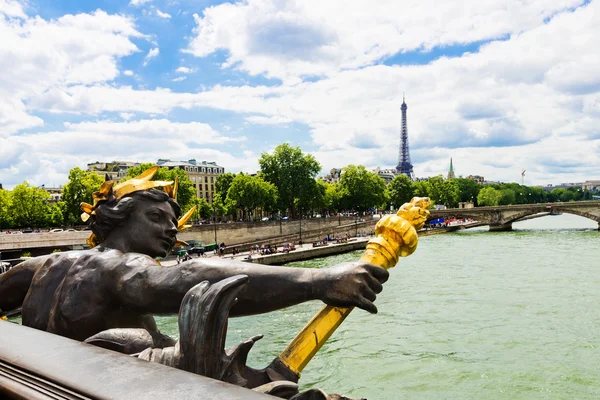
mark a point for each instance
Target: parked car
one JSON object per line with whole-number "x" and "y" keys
{"x": 70, "y": 230}
{"x": 264, "y": 219}
{"x": 27, "y": 230}
{"x": 56, "y": 230}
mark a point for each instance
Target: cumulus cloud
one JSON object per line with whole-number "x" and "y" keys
{"x": 273, "y": 120}
{"x": 162, "y": 14}
{"x": 300, "y": 38}
{"x": 81, "y": 143}
{"x": 12, "y": 8}
{"x": 37, "y": 55}
{"x": 128, "y": 72}
{"x": 151, "y": 54}
{"x": 136, "y": 3}
{"x": 185, "y": 70}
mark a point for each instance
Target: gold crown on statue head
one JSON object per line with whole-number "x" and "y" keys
{"x": 141, "y": 182}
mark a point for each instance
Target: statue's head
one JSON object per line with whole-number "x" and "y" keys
{"x": 136, "y": 215}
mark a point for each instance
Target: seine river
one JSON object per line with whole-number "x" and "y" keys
{"x": 476, "y": 315}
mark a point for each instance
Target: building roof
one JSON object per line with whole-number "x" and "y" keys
{"x": 190, "y": 163}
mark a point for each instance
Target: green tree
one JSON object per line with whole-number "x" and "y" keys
{"x": 468, "y": 189}
{"x": 6, "y": 217}
{"x": 334, "y": 197}
{"x": 29, "y": 205}
{"x": 55, "y": 214}
{"x": 222, "y": 184}
{"x": 315, "y": 200}
{"x": 293, "y": 174}
{"x": 422, "y": 188}
{"x": 203, "y": 209}
{"x": 488, "y": 196}
{"x": 443, "y": 191}
{"x": 248, "y": 193}
{"x": 507, "y": 197}
{"x": 79, "y": 189}
{"x": 186, "y": 192}
{"x": 362, "y": 189}
{"x": 400, "y": 190}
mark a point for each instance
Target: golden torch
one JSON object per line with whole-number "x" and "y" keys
{"x": 395, "y": 236}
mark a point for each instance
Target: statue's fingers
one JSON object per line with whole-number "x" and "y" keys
{"x": 366, "y": 305}
{"x": 373, "y": 283}
{"x": 368, "y": 293}
{"x": 381, "y": 274}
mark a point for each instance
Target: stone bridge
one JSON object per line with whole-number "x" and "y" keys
{"x": 500, "y": 218}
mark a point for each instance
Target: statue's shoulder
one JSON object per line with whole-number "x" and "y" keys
{"x": 126, "y": 259}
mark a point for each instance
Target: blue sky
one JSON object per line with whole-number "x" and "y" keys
{"x": 487, "y": 84}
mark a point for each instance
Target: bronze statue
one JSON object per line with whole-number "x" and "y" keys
{"x": 119, "y": 284}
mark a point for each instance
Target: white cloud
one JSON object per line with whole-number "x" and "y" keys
{"x": 136, "y": 3}
{"x": 46, "y": 157}
{"x": 12, "y": 8}
{"x": 180, "y": 79}
{"x": 151, "y": 54}
{"x": 126, "y": 116}
{"x": 128, "y": 72}
{"x": 287, "y": 39}
{"x": 273, "y": 120}
{"x": 185, "y": 70}
{"x": 37, "y": 55}
{"x": 162, "y": 14}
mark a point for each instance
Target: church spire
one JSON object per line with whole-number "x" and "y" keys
{"x": 451, "y": 170}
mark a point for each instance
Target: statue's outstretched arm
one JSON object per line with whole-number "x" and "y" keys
{"x": 159, "y": 290}
{"x": 15, "y": 283}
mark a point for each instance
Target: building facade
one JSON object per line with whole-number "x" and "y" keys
{"x": 477, "y": 178}
{"x": 202, "y": 173}
{"x": 333, "y": 176}
{"x": 115, "y": 170}
{"x": 388, "y": 175}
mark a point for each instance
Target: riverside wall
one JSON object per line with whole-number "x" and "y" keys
{"x": 249, "y": 232}
{"x": 238, "y": 233}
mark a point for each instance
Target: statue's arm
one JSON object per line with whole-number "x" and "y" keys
{"x": 159, "y": 290}
{"x": 15, "y": 283}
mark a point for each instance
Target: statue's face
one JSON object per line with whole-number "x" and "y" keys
{"x": 151, "y": 228}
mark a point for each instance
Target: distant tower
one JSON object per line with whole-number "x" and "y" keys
{"x": 451, "y": 171}
{"x": 404, "y": 166}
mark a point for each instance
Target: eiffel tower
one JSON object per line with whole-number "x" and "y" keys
{"x": 404, "y": 165}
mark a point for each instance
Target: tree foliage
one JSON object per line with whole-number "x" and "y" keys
{"x": 443, "y": 191}
{"x": 400, "y": 190}
{"x": 6, "y": 217}
{"x": 30, "y": 207}
{"x": 248, "y": 193}
{"x": 293, "y": 174}
{"x": 203, "y": 209}
{"x": 79, "y": 189}
{"x": 362, "y": 189}
{"x": 468, "y": 189}
{"x": 488, "y": 196}
{"x": 186, "y": 192}
{"x": 422, "y": 188}
{"x": 507, "y": 197}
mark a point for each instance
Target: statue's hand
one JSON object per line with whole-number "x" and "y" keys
{"x": 352, "y": 285}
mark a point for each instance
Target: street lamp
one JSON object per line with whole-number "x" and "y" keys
{"x": 212, "y": 203}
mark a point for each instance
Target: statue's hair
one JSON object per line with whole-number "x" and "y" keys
{"x": 113, "y": 212}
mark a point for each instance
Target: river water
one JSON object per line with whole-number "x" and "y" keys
{"x": 470, "y": 315}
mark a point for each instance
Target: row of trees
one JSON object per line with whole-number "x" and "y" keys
{"x": 286, "y": 185}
